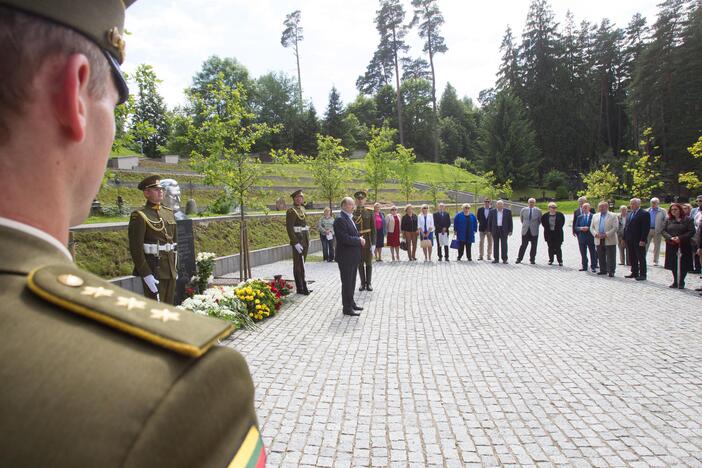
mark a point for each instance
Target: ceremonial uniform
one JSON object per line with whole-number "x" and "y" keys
{"x": 152, "y": 242}
{"x": 298, "y": 233}
{"x": 92, "y": 374}
{"x": 365, "y": 224}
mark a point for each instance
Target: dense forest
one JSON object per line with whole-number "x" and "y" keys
{"x": 569, "y": 97}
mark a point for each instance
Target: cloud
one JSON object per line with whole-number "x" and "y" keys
{"x": 176, "y": 37}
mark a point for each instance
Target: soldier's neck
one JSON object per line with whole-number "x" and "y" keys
{"x": 52, "y": 225}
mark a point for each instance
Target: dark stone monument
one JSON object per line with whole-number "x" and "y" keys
{"x": 186, "y": 257}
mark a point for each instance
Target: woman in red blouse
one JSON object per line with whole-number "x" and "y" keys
{"x": 392, "y": 227}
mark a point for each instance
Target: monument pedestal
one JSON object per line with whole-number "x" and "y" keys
{"x": 186, "y": 257}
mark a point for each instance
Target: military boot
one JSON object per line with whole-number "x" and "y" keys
{"x": 362, "y": 274}
{"x": 369, "y": 274}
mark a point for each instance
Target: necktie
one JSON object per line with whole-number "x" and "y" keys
{"x": 530, "y": 210}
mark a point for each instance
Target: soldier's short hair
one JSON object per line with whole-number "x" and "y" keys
{"x": 27, "y": 42}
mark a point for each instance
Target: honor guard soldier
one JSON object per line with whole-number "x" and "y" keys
{"x": 153, "y": 242}
{"x": 363, "y": 217}
{"x": 299, "y": 234}
{"x": 92, "y": 374}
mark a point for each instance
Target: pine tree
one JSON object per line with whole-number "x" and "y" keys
{"x": 292, "y": 35}
{"x": 539, "y": 55}
{"x": 508, "y": 74}
{"x": 653, "y": 93}
{"x": 415, "y": 69}
{"x": 506, "y": 141}
{"x": 306, "y": 136}
{"x": 334, "y": 117}
{"x": 429, "y": 20}
{"x": 389, "y": 23}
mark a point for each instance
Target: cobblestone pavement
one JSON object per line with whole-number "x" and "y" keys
{"x": 459, "y": 364}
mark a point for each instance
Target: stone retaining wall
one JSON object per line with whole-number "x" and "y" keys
{"x": 230, "y": 263}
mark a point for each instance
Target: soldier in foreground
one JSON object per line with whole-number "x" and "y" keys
{"x": 299, "y": 235}
{"x": 153, "y": 242}
{"x": 365, "y": 225}
{"x": 92, "y": 375}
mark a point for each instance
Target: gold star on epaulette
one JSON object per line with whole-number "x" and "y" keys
{"x": 130, "y": 303}
{"x": 97, "y": 292}
{"x": 164, "y": 315}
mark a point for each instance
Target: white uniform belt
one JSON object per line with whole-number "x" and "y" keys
{"x": 301, "y": 228}
{"x": 153, "y": 249}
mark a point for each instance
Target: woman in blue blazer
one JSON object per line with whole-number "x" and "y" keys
{"x": 465, "y": 225}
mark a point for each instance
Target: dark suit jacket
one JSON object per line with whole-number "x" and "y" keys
{"x": 584, "y": 221}
{"x": 483, "y": 218}
{"x": 506, "y": 222}
{"x": 637, "y": 226}
{"x": 557, "y": 234}
{"x": 442, "y": 221}
{"x": 348, "y": 242}
{"x": 576, "y": 213}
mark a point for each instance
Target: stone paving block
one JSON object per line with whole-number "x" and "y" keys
{"x": 475, "y": 363}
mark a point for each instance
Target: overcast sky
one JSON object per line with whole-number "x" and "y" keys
{"x": 176, "y": 36}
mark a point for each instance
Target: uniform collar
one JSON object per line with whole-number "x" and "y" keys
{"x": 23, "y": 247}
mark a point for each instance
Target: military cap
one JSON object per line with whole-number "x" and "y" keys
{"x": 150, "y": 181}
{"x": 360, "y": 195}
{"x": 296, "y": 193}
{"x": 101, "y": 21}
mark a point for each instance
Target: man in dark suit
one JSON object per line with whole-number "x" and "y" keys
{"x": 586, "y": 241}
{"x": 348, "y": 254}
{"x": 577, "y": 213}
{"x": 638, "y": 224}
{"x": 500, "y": 226}
{"x": 483, "y": 213}
{"x": 442, "y": 223}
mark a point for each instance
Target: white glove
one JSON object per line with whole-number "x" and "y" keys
{"x": 373, "y": 249}
{"x": 151, "y": 283}
{"x": 299, "y": 248}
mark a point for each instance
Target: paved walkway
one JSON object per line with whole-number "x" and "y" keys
{"x": 459, "y": 364}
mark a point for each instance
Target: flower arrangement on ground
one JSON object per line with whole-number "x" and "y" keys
{"x": 221, "y": 302}
{"x": 204, "y": 263}
{"x": 279, "y": 285}
{"x": 259, "y": 299}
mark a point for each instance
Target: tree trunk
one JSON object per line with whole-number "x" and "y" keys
{"x": 433, "y": 104}
{"x": 299, "y": 76}
{"x": 398, "y": 94}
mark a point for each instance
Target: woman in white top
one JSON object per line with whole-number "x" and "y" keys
{"x": 425, "y": 224}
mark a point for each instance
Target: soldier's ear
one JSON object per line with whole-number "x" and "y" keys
{"x": 71, "y": 96}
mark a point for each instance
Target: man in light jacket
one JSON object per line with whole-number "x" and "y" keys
{"x": 531, "y": 220}
{"x": 657, "y": 216}
{"x": 604, "y": 228}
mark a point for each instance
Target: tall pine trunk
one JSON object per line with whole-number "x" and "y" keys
{"x": 299, "y": 76}
{"x": 433, "y": 100}
{"x": 398, "y": 93}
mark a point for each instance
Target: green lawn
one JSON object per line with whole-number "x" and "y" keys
{"x": 568, "y": 206}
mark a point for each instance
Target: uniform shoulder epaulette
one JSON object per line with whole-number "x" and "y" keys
{"x": 77, "y": 291}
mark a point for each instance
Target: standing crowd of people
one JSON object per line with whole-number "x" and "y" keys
{"x": 600, "y": 234}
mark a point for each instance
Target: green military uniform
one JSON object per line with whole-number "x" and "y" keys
{"x": 365, "y": 224}
{"x": 94, "y": 375}
{"x": 153, "y": 241}
{"x": 299, "y": 234}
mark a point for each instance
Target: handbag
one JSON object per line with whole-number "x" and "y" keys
{"x": 443, "y": 239}
{"x": 403, "y": 245}
{"x": 426, "y": 243}
{"x": 455, "y": 244}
